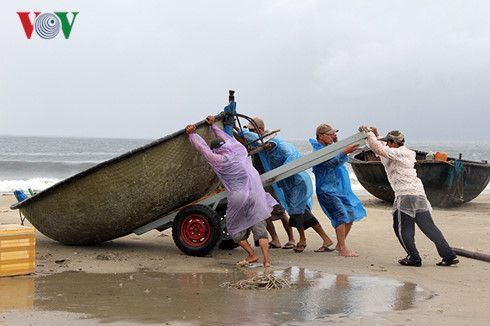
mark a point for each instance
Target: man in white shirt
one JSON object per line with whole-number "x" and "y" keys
{"x": 411, "y": 205}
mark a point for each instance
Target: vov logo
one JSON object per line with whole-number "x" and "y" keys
{"x": 47, "y": 25}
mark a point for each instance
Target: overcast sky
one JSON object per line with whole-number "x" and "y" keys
{"x": 145, "y": 69}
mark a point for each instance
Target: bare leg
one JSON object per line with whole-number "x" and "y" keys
{"x": 301, "y": 245}
{"x": 272, "y": 231}
{"x": 347, "y": 230}
{"x": 302, "y": 236}
{"x": 341, "y": 234}
{"x": 288, "y": 229}
{"x": 252, "y": 256}
{"x": 348, "y": 226}
{"x": 264, "y": 246}
{"x": 327, "y": 242}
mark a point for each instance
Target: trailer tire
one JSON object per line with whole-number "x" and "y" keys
{"x": 196, "y": 230}
{"x": 227, "y": 244}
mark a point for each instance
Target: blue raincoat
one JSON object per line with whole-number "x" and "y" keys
{"x": 334, "y": 191}
{"x": 298, "y": 188}
{"x": 248, "y": 203}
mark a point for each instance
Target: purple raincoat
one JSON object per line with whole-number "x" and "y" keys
{"x": 248, "y": 203}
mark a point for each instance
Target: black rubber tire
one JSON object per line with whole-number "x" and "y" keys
{"x": 196, "y": 230}
{"x": 227, "y": 244}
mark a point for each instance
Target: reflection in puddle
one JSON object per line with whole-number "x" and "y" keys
{"x": 16, "y": 293}
{"x": 152, "y": 297}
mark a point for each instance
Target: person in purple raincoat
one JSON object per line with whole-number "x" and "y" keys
{"x": 248, "y": 204}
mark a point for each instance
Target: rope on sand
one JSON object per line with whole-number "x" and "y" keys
{"x": 260, "y": 282}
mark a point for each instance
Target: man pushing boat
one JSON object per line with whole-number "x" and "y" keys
{"x": 248, "y": 204}
{"x": 411, "y": 205}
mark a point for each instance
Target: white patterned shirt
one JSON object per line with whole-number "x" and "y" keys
{"x": 399, "y": 165}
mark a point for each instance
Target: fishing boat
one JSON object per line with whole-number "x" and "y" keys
{"x": 448, "y": 182}
{"x": 115, "y": 197}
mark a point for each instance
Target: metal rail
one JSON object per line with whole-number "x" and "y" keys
{"x": 310, "y": 160}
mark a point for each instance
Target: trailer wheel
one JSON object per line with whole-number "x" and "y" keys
{"x": 196, "y": 230}
{"x": 227, "y": 244}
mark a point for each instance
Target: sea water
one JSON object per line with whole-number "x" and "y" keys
{"x": 40, "y": 162}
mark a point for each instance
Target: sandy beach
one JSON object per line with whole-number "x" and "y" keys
{"x": 461, "y": 293}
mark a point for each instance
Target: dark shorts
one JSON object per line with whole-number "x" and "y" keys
{"x": 259, "y": 231}
{"x": 304, "y": 220}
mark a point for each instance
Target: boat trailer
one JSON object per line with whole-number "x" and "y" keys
{"x": 198, "y": 226}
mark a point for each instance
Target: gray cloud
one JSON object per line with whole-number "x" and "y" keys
{"x": 143, "y": 69}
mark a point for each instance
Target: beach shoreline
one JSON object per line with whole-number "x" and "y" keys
{"x": 462, "y": 292}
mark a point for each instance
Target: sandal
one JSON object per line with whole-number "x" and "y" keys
{"x": 324, "y": 249}
{"x": 244, "y": 263}
{"x": 407, "y": 262}
{"x": 299, "y": 247}
{"x": 450, "y": 262}
{"x": 273, "y": 246}
{"x": 289, "y": 245}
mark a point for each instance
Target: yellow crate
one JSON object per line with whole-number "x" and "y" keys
{"x": 17, "y": 250}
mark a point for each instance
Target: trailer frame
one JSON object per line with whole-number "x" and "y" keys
{"x": 217, "y": 201}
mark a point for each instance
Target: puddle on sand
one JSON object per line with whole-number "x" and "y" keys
{"x": 153, "y": 297}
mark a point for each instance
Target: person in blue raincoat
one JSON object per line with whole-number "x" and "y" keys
{"x": 298, "y": 194}
{"x": 334, "y": 191}
{"x": 249, "y": 135}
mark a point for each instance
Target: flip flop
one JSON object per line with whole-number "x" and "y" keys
{"x": 273, "y": 246}
{"x": 289, "y": 245}
{"x": 324, "y": 249}
{"x": 254, "y": 265}
{"x": 443, "y": 262}
{"x": 246, "y": 263}
{"x": 299, "y": 248}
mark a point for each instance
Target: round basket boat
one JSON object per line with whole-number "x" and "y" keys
{"x": 447, "y": 183}
{"x": 115, "y": 197}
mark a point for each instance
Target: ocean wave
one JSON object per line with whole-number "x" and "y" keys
{"x": 37, "y": 163}
{"x": 35, "y": 184}
{"x": 21, "y": 170}
{"x": 56, "y": 156}
{"x": 50, "y": 160}
{"x": 38, "y": 184}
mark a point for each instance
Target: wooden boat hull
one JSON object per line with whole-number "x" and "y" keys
{"x": 115, "y": 197}
{"x": 446, "y": 184}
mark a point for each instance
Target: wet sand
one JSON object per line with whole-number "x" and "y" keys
{"x": 461, "y": 294}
